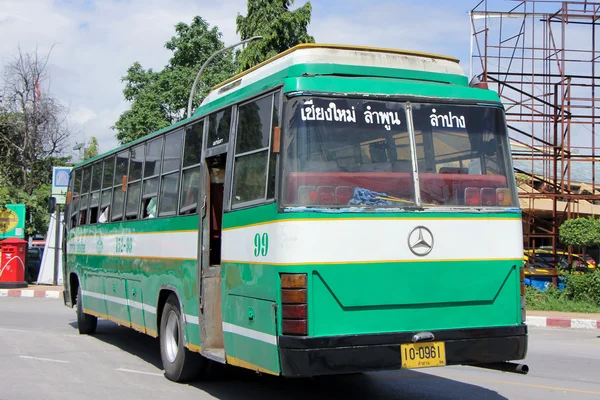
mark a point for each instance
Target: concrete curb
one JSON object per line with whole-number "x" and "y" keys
{"x": 38, "y": 293}
{"x": 562, "y": 323}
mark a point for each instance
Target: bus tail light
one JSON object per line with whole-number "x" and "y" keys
{"x": 472, "y": 196}
{"x": 325, "y": 195}
{"x": 343, "y": 194}
{"x": 488, "y": 197}
{"x": 294, "y": 305}
{"x": 307, "y": 194}
{"x": 503, "y": 196}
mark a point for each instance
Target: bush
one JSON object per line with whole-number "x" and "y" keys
{"x": 584, "y": 287}
{"x": 581, "y": 294}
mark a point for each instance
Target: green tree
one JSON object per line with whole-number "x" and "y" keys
{"x": 33, "y": 132}
{"x": 159, "y": 98}
{"x": 580, "y": 233}
{"x": 92, "y": 150}
{"x": 280, "y": 28}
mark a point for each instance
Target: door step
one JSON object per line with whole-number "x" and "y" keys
{"x": 215, "y": 354}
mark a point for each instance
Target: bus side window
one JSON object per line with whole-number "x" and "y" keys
{"x": 75, "y": 197}
{"x": 134, "y": 189}
{"x": 83, "y": 211}
{"x": 85, "y": 197}
{"x": 107, "y": 185}
{"x": 95, "y": 195}
{"x": 252, "y": 145}
{"x": 189, "y": 191}
{"x": 149, "y": 207}
{"x": 103, "y": 218}
{"x": 120, "y": 186}
{"x": 171, "y": 167}
{"x": 190, "y": 181}
{"x": 151, "y": 175}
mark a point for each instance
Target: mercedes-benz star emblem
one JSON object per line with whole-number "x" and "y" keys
{"x": 420, "y": 241}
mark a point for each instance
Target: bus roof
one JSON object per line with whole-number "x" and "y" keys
{"x": 334, "y": 54}
{"x": 358, "y": 53}
{"x": 338, "y": 58}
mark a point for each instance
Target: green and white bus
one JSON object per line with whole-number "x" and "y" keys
{"x": 335, "y": 209}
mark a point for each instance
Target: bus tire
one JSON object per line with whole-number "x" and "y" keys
{"x": 86, "y": 323}
{"x": 179, "y": 363}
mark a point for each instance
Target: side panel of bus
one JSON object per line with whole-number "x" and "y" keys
{"x": 132, "y": 236}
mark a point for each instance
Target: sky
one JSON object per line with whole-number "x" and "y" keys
{"x": 93, "y": 42}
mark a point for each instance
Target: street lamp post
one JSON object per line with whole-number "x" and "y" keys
{"x": 216, "y": 53}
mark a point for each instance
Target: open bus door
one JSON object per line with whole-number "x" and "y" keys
{"x": 210, "y": 317}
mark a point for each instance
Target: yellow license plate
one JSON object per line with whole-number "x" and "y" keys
{"x": 423, "y": 355}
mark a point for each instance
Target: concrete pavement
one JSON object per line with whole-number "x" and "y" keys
{"x": 42, "y": 355}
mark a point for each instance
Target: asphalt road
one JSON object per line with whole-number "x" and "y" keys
{"x": 43, "y": 356}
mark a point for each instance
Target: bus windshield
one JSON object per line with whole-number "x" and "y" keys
{"x": 359, "y": 153}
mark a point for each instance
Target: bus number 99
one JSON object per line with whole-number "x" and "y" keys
{"x": 261, "y": 244}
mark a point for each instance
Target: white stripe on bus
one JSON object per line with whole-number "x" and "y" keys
{"x": 140, "y": 306}
{"x": 249, "y": 333}
{"x": 174, "y": 245}
{"x": 191, "y": 319}
{"x": 381, "y": 240}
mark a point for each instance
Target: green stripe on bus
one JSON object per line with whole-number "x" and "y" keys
{"x": 269, "y": 213}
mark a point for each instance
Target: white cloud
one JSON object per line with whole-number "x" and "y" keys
{"x": 81, "y": 115}
{"x": 94, "y": 44}
{"x": 428, "y": 26}
{"x": 96, "y": 41}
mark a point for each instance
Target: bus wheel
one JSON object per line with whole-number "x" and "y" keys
{"x": 86, "y": 323}
{"x": 179, "y": 363}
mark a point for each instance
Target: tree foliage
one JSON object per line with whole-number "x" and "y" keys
{"x": 91, "y": 150}
{"x": 33, "y": 132}
{"x": 280, "y": 28}
{"x": 159, "y": 98}
{"x": 580, "y": 232}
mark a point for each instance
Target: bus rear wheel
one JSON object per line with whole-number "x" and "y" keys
{"x": 86, "y": 323}
{"x": 179, "y": 363}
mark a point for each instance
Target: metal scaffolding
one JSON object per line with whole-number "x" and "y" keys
{"x": 540, "y": 56}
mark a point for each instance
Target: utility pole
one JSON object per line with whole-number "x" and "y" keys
{"x": 56, "y": 245}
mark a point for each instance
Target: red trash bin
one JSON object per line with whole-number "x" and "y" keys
{"x": 12, "y": 267}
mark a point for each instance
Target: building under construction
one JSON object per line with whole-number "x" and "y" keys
{"x": 541, "y": 57}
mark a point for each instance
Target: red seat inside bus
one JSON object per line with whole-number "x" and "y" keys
{"x": 441, "y": 188}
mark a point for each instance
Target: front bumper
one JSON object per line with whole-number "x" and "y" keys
{"x": 312, "y": 356}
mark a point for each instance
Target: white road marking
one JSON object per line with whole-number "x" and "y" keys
{"x": 133, "y": 371}
{"x": 46, "y": 359}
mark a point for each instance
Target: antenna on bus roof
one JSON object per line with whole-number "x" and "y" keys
{"x": 189, "y": 108}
